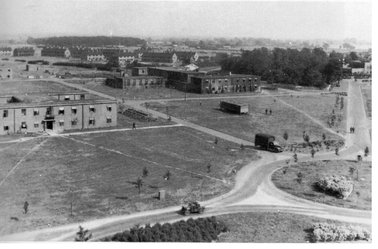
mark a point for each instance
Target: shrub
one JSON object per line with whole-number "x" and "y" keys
{"x": 199, "y": 230}
{"x": 324, "y": 232}
{"x": 338, "y": 186}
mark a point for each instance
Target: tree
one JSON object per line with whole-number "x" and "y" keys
{"x": 285, "y": 135}
{"x": 145, "y": 172}
{"x": 366, "y": 151}
{"x": 312, "y": 152}
{"x": 26, "y": 207}
{"x": 139, "y": 184}
{"x": 167, "y": 175}
{"x": 83, "y": 235}
{"x": 208, "y": 168}
{"x": 300, "y": 177}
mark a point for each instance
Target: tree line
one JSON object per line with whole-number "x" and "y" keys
{"x": 306, "y": 67}
{"x": 88, "y": 41}
{"x": 198, "y": 230}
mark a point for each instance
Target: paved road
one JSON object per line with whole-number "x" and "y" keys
{"x": 253, "y": 191}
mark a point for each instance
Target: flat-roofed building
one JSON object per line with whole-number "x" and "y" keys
{"x": 23, "y": 51}
{"x": 57, "y": 116}
{"x": 135, "y": 82}
{"x": 56, "y": 52}
{"x": 225, "y": 83}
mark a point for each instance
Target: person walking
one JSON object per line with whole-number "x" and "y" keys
{"x": 134, "y": 126}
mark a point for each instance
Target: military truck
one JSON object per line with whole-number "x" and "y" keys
{"x": 267, "y": 142}
{"x": 234, "y": 107}
{"x": 192, "y": 208}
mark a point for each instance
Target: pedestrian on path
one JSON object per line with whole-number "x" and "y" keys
{"x": 337, "y": 151}
{"x": 134, "y": 126}
{"x": 270, "y": 111}
{"x": 26, "y": 207}
{"x": 266, "y": 111}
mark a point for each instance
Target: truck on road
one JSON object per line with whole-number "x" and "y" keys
{"x": 267, "y": 142}
{"x": 234, "y": 107}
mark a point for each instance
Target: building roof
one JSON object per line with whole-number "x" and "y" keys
{"x": 57, "y": 103}
{"x": 227, "y": 76}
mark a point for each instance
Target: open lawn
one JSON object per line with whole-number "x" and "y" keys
{"x": 267, "y": 227}
{"x": 97, "y": 173}
{"x": 28, "y": 87}
{"x": 321, "y": 107}
{"x": 313, "y": 171}
{"x": 283, "y": 118}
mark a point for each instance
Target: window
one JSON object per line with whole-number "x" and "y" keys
{"x": 5, "y": 113}
{"x": 92, "y": 108}
{"x": 74, "y": 122}
{"x": 61, "y": 111}
{"x": 92, "y": 121}
{"x": 73, "y": 110}
{"x": 82, "y": 96}
{"x": 6, "y": 128}
{"x": 67, "y": 97}
{"x": 36, "y": 112}
{"x": 61, "y": 122}
{"x": 23, "y": 112}
{"x": 23, "y": 125}
{"x": 108, "y": 120}
{"x": 109, "y": 108}
{"x": 36, "y": 125}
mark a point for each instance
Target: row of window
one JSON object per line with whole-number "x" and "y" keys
{"x": 237, "y": 80}
{"x": 60, "y": 112}
{"x": 74, "y": 122}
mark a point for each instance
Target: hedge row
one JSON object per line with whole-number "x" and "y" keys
{"x": 199, "y": 230}
{"x": 323, "y": 232}
{"x": 338, "y": 186}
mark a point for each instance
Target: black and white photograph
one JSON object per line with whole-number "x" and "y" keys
{"x": 186, "y": 121}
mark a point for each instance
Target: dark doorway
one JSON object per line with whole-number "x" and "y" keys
{"x": 49, "y": 125}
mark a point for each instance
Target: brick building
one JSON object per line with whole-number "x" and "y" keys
{"x": 23, "y": 51}
{"x": 64, "y": 111}
{"x": 56, "y": 52}
{"x": 135, "y": 82}
{"x": 224, "y": 83}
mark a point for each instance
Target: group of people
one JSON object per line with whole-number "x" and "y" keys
{"x": 351, "y": 129}
{"x": 266, "y": 111}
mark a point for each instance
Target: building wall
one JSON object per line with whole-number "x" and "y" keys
{"x": 34, "y": 123}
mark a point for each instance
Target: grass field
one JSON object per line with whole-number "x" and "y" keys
{"x": 100, "y": 180}
{"x": 283, "y": 118}
{"x": 22, "y": 87}
{"x": 270, "y": 227}
{"x": 312, "y": 171}
{"x": 320, "y": 107}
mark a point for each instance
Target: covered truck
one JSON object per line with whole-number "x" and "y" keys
{"x": 234, "y": 107}
{"x": 267, "y": 142}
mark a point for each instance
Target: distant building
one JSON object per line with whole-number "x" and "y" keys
{"x": 23, "y": 51}
{"x": 135, "y": 82}
{"x": 95, "y": 55}
{"x": 224, "y": 83}
{"x": 174, "y": 58}
{"x": 56, "y": 52}
{"x": 5, "y": 51}
{"x": 367, "y": 67}
{"x": 139, "y": 71}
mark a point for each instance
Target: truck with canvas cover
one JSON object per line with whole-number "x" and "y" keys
{"x": 267, "y": 142}
{"x": 234, "y": 107}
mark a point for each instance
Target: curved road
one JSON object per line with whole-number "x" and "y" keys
{"x": 253, "y": 191}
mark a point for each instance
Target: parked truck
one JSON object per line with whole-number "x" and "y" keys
{"x": 234, "y": 107}
{"x": 192, "y": 208}
{"x": 267, "y": 142}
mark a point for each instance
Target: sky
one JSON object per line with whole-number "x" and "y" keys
{"x": 261, "y": 19}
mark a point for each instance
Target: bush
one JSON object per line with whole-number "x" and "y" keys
{"x": 323, "y": 232}
{"x": 338, "y": 186}
{"x": 199, "y": 230}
